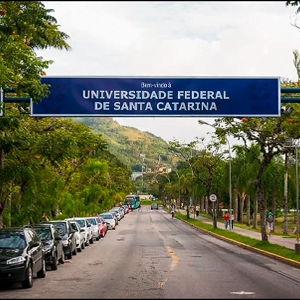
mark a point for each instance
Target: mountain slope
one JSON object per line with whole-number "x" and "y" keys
{"x": 127, "y": 143}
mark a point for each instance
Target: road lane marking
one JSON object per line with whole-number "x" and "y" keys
{"x": 242, "y": 293}
{"x": 173, "y": 264}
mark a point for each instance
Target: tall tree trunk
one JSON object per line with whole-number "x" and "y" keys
{"x": 206, "y": 205}
{"x": 285, "y": 195}
{"x": 261, "y": 202}
{"x": 235, "y": 205}
{"x": 202, "y": 205}
{"x": 255, "y": 210}
{"x": 248, "y": 209}
{"x": 274, "y": 206}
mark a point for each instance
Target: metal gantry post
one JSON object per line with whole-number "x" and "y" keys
{"x": 297, "y": 192}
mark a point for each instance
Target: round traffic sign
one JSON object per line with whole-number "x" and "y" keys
{"x": 212, "y": 197}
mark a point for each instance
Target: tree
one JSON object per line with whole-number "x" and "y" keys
{"x": 24, "y": 27}
{"x": 270, "y": 135}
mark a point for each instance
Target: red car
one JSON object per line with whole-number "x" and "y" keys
{"x": 103, "y": 226}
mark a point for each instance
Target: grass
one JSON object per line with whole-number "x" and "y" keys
{"x": 262, "y": 245}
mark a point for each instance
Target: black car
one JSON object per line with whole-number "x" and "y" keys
{"x": 67, "y": 234}
{"x": 21, "y": 256}
{"x": 52, "y": 243}
{"x": 154, "y": 206}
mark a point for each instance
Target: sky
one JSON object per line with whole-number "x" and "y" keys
{"x": 175, "y": 38}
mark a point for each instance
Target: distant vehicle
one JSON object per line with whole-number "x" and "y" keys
{"x": 117, "y": 212}
{"x": 154, "y": 206}
{"x": 109, "y": 220}
{"x": 21, "y": 256}
{"x": 133, "y": 200}
{"x": 114, "y": 214}
{"x": 52, "y": 244}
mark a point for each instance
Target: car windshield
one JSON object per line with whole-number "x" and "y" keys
{"x": 44, "y": 233}
{"x": 12, "y": 240}
{"x": 81, "y": 223}
{"x": 92, "y": 221}
{"x": 108, "y": 216}
{"x": 61, "y": 227}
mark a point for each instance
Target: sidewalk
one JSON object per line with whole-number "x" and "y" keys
{"x": 274, "y": 239}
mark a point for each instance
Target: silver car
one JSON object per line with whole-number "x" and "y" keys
{"x": 95, "y": 228}
{"x": 79, "y": 234}
{"x": 109, "y": 220}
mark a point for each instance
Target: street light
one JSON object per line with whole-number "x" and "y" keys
{"x": 230, "y": 192}
{"x": 143, "y": 157}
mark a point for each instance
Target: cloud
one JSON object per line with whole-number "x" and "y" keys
{"x": 180, "y": 38}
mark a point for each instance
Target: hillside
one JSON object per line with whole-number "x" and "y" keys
{"x": 127, "y": 143}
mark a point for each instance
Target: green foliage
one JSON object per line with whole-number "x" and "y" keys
{"x": 127, "y": 143}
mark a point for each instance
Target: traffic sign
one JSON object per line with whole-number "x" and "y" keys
{"x": 160, "y": 96}
{"x": 213, "y": 198}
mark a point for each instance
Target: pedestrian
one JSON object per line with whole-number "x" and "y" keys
{"x": 226, "y": 219}
{"x": 297, "y": 231}
{"x": 231, "y": 220}
{"x": 173, "y": 210}
{"x": 270, "y": 221}
{"x": 197, "y": 210}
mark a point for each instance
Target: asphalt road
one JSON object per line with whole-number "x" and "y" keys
{"x": 151, "y": 255}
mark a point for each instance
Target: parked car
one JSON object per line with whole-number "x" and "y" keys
{"x": 67, "y": 235}
{"x": 154, "y": 206}
{"x": 52, "y": 243}
{"x": 95, "y": 228}
{"x": 104, "y": 227}
{"x": 126, "y": 207}
{"x": 84, "y": 224}
{"x": 117, "y": 214}
{"x": 114, "y": 214}
{"x": 21, "y": 256}
{"x": 119, "y": 210}
{"x": 109, "y": 219}
{"x": 79, "y": 235}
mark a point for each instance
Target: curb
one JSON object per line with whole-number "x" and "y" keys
{"x": 244, "y": 246}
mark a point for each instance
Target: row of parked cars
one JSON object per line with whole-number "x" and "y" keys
{"x": 26, "y": 251}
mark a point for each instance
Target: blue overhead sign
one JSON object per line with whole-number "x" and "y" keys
{"x": 160, "y": 96}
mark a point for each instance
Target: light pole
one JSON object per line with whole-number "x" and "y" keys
{"x": 143, "y": 157}
{"x": 230, "y": 189}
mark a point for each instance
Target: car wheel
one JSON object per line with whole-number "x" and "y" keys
{"x": 54, "y": 262}
{"x": 79, "y": 249}
{"x": 70, "y": 255}
{"x": 28, "y": 282}
{"x": 62, "y": 259}
{"x": 87, "y": 243}
{"x": 91, "y": 241}
{"x": 82, "y": 246}
{"x": 42, "y": 272}
{"x": 114, "y": 228}
{"x": 74, "y": 251}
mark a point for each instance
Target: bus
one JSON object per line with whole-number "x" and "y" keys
{"x": 134, "y": 200}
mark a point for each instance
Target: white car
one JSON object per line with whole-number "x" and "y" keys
{"x": 95, "y": 228}
{"x": 79, "y": 234}
{"x": 87, "y": 229}
{"x": 109, "y": 220}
